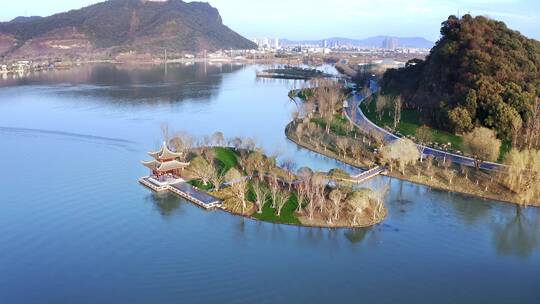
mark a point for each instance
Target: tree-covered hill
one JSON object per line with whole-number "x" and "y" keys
{"x": 126, "y": 25}
{"x": 479, "y": 73}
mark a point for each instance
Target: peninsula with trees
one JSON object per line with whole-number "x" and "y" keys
{"x": 236, "y": 176}
{"x": 482, "y": 142}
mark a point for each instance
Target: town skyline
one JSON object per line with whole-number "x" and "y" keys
{"x": 357, "y": 20}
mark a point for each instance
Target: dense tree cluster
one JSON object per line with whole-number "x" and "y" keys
{"x": 479, "y": 73}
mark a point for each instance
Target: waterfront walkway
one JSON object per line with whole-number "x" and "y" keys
{"x": 365, "y": 125}
{"x": 364, "y": 176}
{"x": 185, "y": 191}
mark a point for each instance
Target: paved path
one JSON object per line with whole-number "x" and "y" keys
{"x": 362, "y": 122}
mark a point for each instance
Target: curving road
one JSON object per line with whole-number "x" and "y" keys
{"x": 364, "y": 124}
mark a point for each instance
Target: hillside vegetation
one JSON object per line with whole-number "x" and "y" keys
{"x": 124, "y": 25}
{"x": 479, "y": 73}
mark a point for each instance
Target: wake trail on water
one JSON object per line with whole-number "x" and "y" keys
{"x": 86, "y": 137}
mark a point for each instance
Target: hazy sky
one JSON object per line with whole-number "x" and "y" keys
{"x": 315, "y": 19}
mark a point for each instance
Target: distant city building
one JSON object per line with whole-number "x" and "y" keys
{"x": 390, "y": 43}
{"x": 267, "y": 43}
{"x": 324, "y": 43}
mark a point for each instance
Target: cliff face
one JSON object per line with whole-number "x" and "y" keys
{"x": 118, "y": 26}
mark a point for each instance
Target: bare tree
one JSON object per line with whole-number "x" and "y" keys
{"x": 328, "y": 95}
{"x": 236, "y": 143}
{"x": 318, "y": 187}
{"x": 217, "y": 178}
{"x": 165, "y": 132}
{"x": 381, "y": 104}
{"x": 430, "y": 162}
{"x": 209, "y": 154}
{"x": 398, "y": 104}
{"x": 402, "y": 151}
{"x": 307, "y": 109}
{"x": 532, "y": 127}
{"x": 260, "y": 195}
{"x": 357, "y": 150}
{"x": 342, "y": 143}
{"x": 430, "y": 172}
{"x": 450, "y": 175}
{"x": 274, "y": 187}
{"x": 464, "y": 171}
{"x": 201, "y": 169}
{"x": 447, "y": 163}
{"x": 253, "y": 162}
{"x": 289, "y": 165}
{"x": 299, "y": 132}
{"x": 424, "y": 137}
{"x": 523, "y": 176}
{"x": 303, "y": 187}
{"x": 238, "y": 184}
{"x": 218, "y": 139}
{"x": 377, "y": 196}
{"x": 182, "y": 142}
{"x": 249, "y": 144}
{"x": 377, "y": 137}
{"x": 336, "y": 196}
{"x": 359, "y": 201}
{"x": 294, "y": 116}
{"x": 282, "y": 198}
{"x": 483, "y": 143}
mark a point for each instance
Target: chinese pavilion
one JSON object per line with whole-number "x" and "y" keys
{"x": 165, "y": 162}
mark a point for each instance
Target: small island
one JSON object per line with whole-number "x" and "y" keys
{"x": 293, "y": 72}
{"x": 238, "y": 177}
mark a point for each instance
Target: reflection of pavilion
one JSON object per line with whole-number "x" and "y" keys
{"x": 166, "y": 175}
{"x": 165, "y": 167}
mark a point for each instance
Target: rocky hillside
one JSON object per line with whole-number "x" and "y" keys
{"x": 119, "y": 26}
{"x": 479, "y": 73}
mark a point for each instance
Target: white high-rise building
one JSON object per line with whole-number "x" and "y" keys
{"x": 267, "y": 43}
{"x": 325, "y": 43}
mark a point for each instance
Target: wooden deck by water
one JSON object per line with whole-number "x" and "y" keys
{"x": 186, "y": 191}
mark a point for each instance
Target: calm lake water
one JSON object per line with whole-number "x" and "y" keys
{"x": 76, "y": 227}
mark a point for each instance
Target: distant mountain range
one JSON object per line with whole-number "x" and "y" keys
{"x": 372, "y": 42}
{"x": 120, "y": 26}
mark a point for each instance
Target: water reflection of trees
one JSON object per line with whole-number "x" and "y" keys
{"x": 517, "y": 234}
{"x": 131, "y": 83}
{"x": 469, "y": 208}
{"x": 166, "y": 204}
{"x": 356, "y": 236}
{"x": 155, "y": 83}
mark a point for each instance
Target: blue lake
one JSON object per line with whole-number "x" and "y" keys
{"x": 76, "y": 227}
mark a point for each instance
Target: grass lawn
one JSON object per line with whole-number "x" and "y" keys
{"x": 199, "y": 184}
{"x": 409, "y": 124}
{"x": 339, "y": 125}
{"x": 226, "y": 158}
{"x": 269, "y": 213}
{"x": 287, "y": 213}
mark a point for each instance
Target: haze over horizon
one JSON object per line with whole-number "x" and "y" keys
{"x": 319, "y": 19}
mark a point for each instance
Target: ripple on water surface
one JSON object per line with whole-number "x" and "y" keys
{"x": 77, "y": 227}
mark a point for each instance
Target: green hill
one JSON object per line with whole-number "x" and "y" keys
{"x": 479, "y": 72}
{"x": 120, "y": 26}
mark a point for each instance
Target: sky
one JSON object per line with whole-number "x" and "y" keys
{"x": 318, "y": 19}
